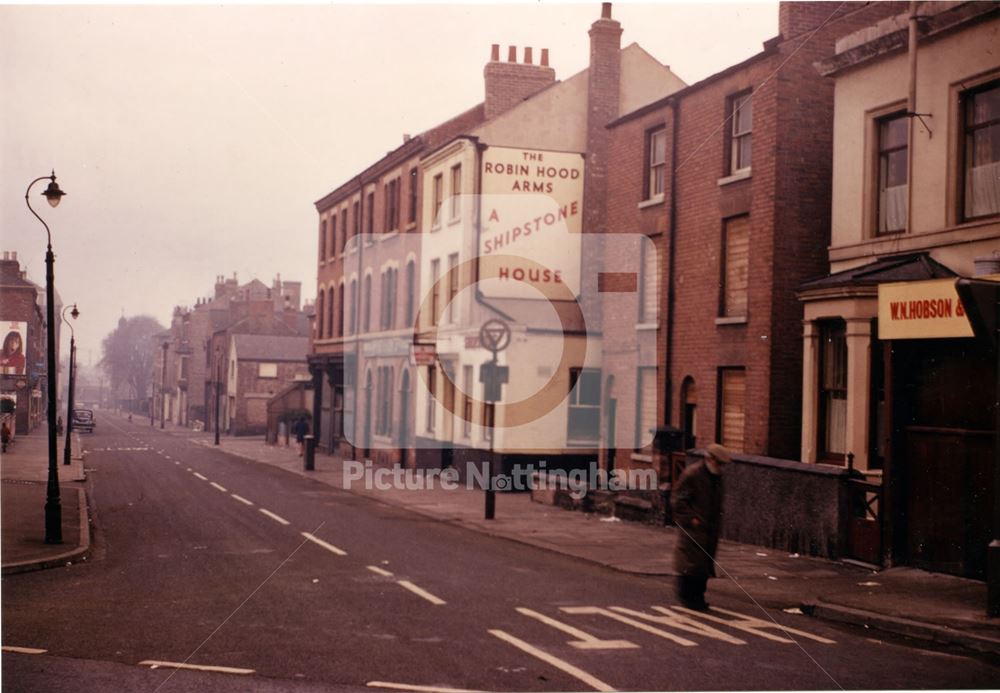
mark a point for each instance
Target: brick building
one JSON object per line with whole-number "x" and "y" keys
{"x": 23, "y": 378}
{"x": 730, "y": 179}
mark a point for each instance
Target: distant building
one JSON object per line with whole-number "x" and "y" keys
{"x": 257, "y": 367}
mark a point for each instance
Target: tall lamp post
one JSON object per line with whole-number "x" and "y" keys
{"x": 53, "y": 508}
{"x": 163, "y": 387}
{"x": 218, "y": 390}
{"x": 72, "y": 380}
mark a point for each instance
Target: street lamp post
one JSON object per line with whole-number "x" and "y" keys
{"x": 53, "y": 508}
{"x": 163, "y": 387}
{"x": 218, "y": 391}
{"x": 72, "y": 380}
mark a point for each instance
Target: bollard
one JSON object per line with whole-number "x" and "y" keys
{"x": 310, "y": 453}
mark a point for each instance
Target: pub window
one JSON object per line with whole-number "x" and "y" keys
{"x": 656, "y": 147}
{"x": 435, "y": 290}
{"x": 730, "y": 410}
{"x": 340, "y": 312}
{"x": 343, "y": 229}
{"x": 437, "y": 190}
{"x": 584, "y": 423}
{"x": 332, "y": 244}
{"x": 392, "y": 205}
{"x": 981, "y": 109}
{"x": 740, "y": 132}
{"x": 413, "y": 196}
{"x": 370, "y": 211}
{"x": 649, "y": 289}
{"x": 892, "y": 173}
{"x": 833, "y": 389}
{"x": 431, "y": 397}
{"x": 645, "y": 415}
{"x": 467, "y": 386}
{"x": 367, "y": 305}
{"x": 452, "y": 285}
{"x": 319, "y": 314}
{"x": 735, "y": 272}
{"x": 353, "y": 323}
{"x": 456, "y": 191}
{"x": 329, "y": 313}
{"x": 411, "y": 290}
{"x": 322, "y": 240}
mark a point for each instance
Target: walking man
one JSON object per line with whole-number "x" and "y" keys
{"x": 697, "y": 506}
{"x": 300, "y": 429}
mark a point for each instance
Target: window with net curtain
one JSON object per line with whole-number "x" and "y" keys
{"x": 892, "y": 173}
{"x": 982, "y": 151}
{"x": 833, "y": 389}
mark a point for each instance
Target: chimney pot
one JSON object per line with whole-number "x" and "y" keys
{"x": 605, "y": 10}
{"x": 527, "y": 55}
{"x": 406, "y": 137}
{"x": 512, "y": 54}
{"x": 545, "y": 57}
{"x": 495, "y": 53}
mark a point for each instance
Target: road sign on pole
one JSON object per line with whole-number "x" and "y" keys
{"x": 495, "y": 336}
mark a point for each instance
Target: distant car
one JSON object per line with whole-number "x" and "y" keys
{"x": 83, "y": 420}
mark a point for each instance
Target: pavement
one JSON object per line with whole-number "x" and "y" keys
{"x": 24, "y": 472}
{"x": 913, "y": 603}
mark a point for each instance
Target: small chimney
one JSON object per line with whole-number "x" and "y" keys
{"x": 495, "y": 53}
{"x": 545, "y": 57}
{"x": 509, "y": 83}
{"x": 605, "y": 10}
{"x": 406, "y": 137}
{"x": 527, "y": 55}
{"x": 512, "y": 54}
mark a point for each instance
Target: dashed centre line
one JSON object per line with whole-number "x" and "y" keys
{"x": 277, "y": 518}
{"x": 241, "y": 499}
{"x": 217, "y": 486}
{"x": 156, "y": 664}
{"x": 203, "y": 478}
{"x": 379, "y": 571}
{"x": 319, "y": 542}
{"x": 23, "y": 650}
{"x": 420, "y": 689}
{"x": 436, "y": 601}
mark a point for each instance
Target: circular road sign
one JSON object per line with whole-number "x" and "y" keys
{"x": 494, "y": 335}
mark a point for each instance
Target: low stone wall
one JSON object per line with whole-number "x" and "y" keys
{"x": 787, "y": 505}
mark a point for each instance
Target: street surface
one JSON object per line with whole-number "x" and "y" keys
{"x": 256, "y": 579}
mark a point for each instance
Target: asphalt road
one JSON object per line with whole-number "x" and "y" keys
{"x": 269, "y": 581}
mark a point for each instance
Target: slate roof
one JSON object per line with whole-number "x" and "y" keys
{"x": 256, "y": 347}
{"x": 898, "y": 268}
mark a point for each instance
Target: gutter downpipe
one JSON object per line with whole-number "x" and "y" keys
{"x": 671, "y": 293}
{"x": 911, "y": 108}
{"x": 357, "y": 310}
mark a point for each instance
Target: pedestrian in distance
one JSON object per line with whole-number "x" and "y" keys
{"x": 697, "y": 507}
{"x": 300, "y": 429}
{"x": 5, "y": 435}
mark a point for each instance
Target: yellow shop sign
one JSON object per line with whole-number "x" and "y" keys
{"x": 921, "y": 310}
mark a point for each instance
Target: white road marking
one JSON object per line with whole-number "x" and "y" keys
{"x": 636, "y": 624}
{"x": 203, "y": 478}
{"x": 329, "y": 547}
{"x": 679, "y": 621}
{"x": 156, "y": 664}
{"x": 241, "y": 499}
{"x": 22, "y": 650}
{"x": 276, "y": 518}
{"x": 217, "y": 486}
{"x": 586, "y": 641}
{"x": 436, "y": 601}
{"x": 755, "y": 626}
{"x": 376, "y": 569}
{"x": 419, "y": 689}
{"x": 176, "y": 462}
{"x": 563, "y": 666}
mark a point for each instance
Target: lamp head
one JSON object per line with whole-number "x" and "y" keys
{"x": 52, "y": 193}
{"x": 74, "y": 313}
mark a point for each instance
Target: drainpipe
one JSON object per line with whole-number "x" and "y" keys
{"x": 357, "y": 309}
{"x": 911, "y": 110}
{"x": 671, "y": 293}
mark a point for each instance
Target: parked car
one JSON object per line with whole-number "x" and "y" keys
{"x": 83, "y": 420}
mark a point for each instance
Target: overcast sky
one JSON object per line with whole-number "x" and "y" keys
{"x": 192, "y": 141}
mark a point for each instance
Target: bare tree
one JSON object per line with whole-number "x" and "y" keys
{"x": 128, "y": 355}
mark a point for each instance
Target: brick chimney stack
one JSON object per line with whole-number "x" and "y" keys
{"x": 509, "y": 83}
{"x": 603, "y": 80}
